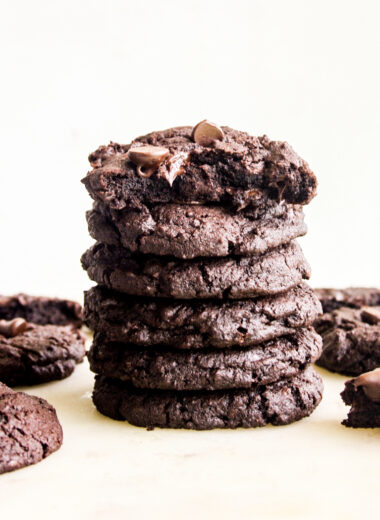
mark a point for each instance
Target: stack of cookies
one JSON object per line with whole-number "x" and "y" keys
{"x": 201, "y": 317}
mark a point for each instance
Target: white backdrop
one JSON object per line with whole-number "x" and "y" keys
{"x": 77, "y": 74}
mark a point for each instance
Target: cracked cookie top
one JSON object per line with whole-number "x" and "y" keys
{"x": 29, "y": 429}
{"x": 188, "y": 165}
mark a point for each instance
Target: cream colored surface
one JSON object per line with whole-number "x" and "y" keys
{"x": 106, "y": 469}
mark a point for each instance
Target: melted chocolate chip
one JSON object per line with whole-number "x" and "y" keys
{"x": 147, "y": 158}
{"x": 13, "y": 327}
{"x": 175, "y": 167}
{"x": 370, "y": 382}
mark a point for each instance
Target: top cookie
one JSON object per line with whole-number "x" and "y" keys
{"x": 204, "y": 164}
{"x": 41, "y": 310}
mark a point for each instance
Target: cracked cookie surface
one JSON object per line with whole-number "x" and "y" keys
{"x": 278, "y": 403}
{"x": 198, "y": 324}
{"x": 40, "y": 354}
{"x": 29, "y": 429}
{"x": 362, "y": 394}
{"x": 231, "y": 278}
{"x": 353, "y": 297}
{"x": 351, "y": 344}
{"x": 190, "y": 231}
{"x": 238, "y": 171}
{"x": 207, "y": 369}
{"x": 41, "y": 310}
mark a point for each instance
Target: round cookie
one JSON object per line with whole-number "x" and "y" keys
{"x": 198, "y": 324}
{"x": 39, "y": 354}
{"x": 354, "y": 297}
{"x": 235, "y": 277}
{"x": 29, "y": 429}
{"x": 189, "y": 231}
{"x": 351, "y": 339}
{"x": 41, "y": 310}
{"x": 179, "y": 165}
{"x": 206, "y": 369}
{"x": 278, "y": 403}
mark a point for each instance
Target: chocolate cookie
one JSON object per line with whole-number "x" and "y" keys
{"x": 189, "y": 231}
{"x": 206, "y": 369}
{"x": 278, "y": 403}
{"x": 206, "y": 164}
{"x": 233, "y": 277}
{"x": 198, "y": 324}
{"x": 36, "y": 354}
{"x": 29, "y": 429}
{"x": 41, "y": 310}
{"x": 354, "y": 297}
{"x": 351, "y": 339}
{"x": 363, "y": 395}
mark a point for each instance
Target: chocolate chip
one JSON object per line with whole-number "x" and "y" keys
{"x": 371, "y": 315}
{"x": 175, "y": 167}
{"x": 205, "y": 133}
{"x": 13, "y": 327}
{"x": 370, "y": 382}
{"x": 147, "y": 158}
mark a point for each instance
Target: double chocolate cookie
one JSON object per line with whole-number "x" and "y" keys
{"x": 189, "y": 231}
{"x": 278, "y": 403}
{"x": 198, "y": 324}
{"x": 32, "y": 354}
{"x": 206, "y": 369}
{"x": 353, "y": 297}
{"x": 350, "y": 331}
{"x": 206, "y": 164}
{"x": 29, "y": 429}
{"x": 363, "y": 395}
{"x": 41, "y": 310}
{"x": 232, "y": 277}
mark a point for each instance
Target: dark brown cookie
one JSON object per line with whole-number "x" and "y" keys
{"x": 39, "y": 354}
{"x": 189, "y": 231}
{"x": 232, "y": 277}
{"x": 206, "y": 369}
{"x": 198, "y": 324}
{"x": 41, "y": 310}
{"x": 354, "y": 297}
{"x": 363, "y": 395}
{"x": 278, "y": 403}
{"x": 351, "y": 339}
{"x": 29, "y": 429}
{"x": 176, "y": 166}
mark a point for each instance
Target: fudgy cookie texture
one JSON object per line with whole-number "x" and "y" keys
{"x": 232, "y": 277}
{"x": 363, "y": 395}
{"x": 29, "y": 429}
{"x": 180, "y": 165}
{"x": 354, "y": 297}
{"x": 278, "y": 403}
{"x": 206, "y": 369}
{"x": 40, "y": 354}
{"x": 189, "y": 231}
{"x": 41, "y": 310}
{"x": 198, "y": 324}
{"x": 351, "y": 339}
